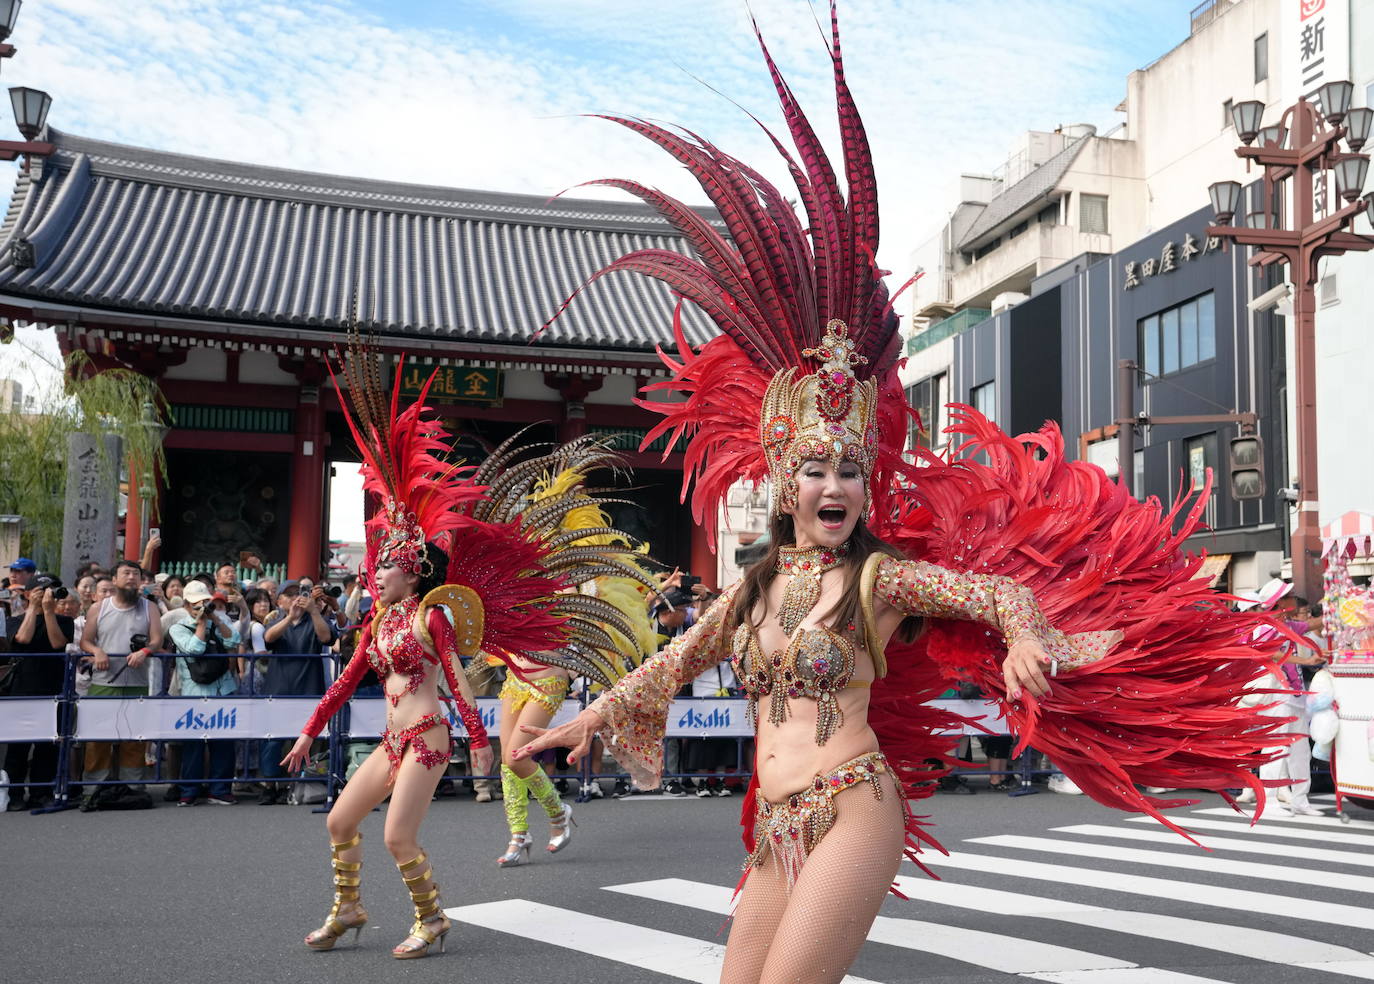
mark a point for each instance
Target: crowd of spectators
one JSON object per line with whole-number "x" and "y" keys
{"x": 214, "y": 633}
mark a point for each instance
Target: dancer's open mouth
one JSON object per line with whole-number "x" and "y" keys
{"x": 832, "y": 517}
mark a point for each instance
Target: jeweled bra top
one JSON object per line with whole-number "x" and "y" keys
{"x": 395, "y": 648}
{"x": 816, "y": 664}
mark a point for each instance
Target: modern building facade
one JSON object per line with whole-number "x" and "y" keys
{"x": 1152, "y": 295}
{"x": 1176, "y": 304}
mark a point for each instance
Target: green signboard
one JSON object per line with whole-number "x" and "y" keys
{"x": 453, "y": 384}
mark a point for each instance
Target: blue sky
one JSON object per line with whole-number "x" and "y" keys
{"x": 488, "y": 93}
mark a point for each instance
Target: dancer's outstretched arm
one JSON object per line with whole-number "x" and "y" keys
{"x": 634, "y": 713}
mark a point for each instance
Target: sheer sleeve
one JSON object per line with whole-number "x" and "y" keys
{"x": 918, "y": 588}
{"x": 636, "y": 709}
{"x": 342, "y": 688}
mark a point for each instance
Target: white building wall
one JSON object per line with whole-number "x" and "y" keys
{"x": 1174, "y": 108}
{"x": 1345, "y": 328}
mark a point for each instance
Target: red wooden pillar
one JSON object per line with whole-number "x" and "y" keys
{"x": 133, "y": 515}
{"x": 307, "y": 484}
{"x": 703, "y": 558}
{"x": 574, "y": 388}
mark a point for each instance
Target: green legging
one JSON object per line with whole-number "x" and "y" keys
{"x": 515, "y": 792}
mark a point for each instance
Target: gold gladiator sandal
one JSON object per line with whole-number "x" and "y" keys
{"x": 346, "y": 882}
{"x": 427, "y": 911}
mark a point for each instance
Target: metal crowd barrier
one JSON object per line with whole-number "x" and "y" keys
{"x": 250, "y": 717}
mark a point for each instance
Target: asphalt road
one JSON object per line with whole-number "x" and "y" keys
{"x": 213, "y": 894}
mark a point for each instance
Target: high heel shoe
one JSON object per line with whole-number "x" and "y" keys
{"x": 561, "y": 830}
{"x": 427, "y": 912}
{"x": 519, "y": 843}
{"x": 346, "y": 882}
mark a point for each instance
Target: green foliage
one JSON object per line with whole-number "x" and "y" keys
{"x": 70, "y": 399}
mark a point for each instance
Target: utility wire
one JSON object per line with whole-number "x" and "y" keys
{"x": 1184, "y": 389}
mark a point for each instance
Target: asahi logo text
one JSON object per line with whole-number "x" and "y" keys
{"x": 718, "y": 718}
{"x": 222, "y": 720}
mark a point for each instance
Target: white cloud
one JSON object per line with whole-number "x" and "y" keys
{"x": 492, "y": 100}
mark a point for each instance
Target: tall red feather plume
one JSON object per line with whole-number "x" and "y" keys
{"x": 770, "y": 287}
{"x": 400, "y": 456}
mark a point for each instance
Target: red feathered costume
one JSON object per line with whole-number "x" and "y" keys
{"x": 1006, "y": 539}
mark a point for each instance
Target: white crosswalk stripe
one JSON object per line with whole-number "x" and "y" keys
{"x": 1195, "y": 860}
{"x": 670, "y": 954}
{"x": 1290, "y": 851}
{"x": 1274, "y": 816}
{"x": 995, "y": 951}
{"x": 1242, "y": 828}
{"x": 943, "y": 914}
{"x": 1202, "y": 893}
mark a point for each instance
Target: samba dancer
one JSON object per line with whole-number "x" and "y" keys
{"x": 446, "y": 536}
{"x": 802, "y": 388}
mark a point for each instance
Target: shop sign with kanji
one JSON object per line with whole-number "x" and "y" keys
{"x": 1171, "y": 254}
{"x": 453, "y": 384}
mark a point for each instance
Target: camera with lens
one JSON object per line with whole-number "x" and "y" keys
{"x": 333, "y": 590}
{"x": 48, "y": 582}
{"x": 137, "y": 641}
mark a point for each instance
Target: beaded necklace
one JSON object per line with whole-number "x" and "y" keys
{"x": 804, "y": 565}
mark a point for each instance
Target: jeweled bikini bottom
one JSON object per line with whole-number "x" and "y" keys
{"x": 395, "y": 743}
{"x": 792, "y": 829}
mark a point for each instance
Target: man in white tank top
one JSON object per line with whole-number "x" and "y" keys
{"x": 111, "y": 625}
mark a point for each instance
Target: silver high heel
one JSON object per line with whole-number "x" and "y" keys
{"x": 518, "y": 843}
{"x": 563, "y": 825}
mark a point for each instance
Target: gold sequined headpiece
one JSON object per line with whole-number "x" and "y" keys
{"x": 402, "y": 541}
{"x": 827, "y": 415}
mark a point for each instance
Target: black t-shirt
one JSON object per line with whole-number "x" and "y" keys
{"x": 38, "y": 676}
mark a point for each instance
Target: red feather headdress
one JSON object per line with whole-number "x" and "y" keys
{"x": 786, "y": 297}
{"x": 513, "y": 553}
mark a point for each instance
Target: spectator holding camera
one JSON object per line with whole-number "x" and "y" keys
{"x": 123, "y": 622}
{"x": 297, "y": 626}
{"x": 40, "y": 630}
{"x": 21, "y": 573}
{"x": 227, "y": 583}
{"x": 204, "y": 636}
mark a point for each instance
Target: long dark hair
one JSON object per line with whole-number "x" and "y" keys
{"x": 438, "y": 563}
{"x": 782, "y": 532}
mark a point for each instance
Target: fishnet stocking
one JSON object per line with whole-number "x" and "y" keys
{"x": 814, "y": 934}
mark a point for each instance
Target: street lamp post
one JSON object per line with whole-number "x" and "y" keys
{"x": 1295, "y": 154}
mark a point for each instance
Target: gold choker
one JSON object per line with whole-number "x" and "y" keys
{"x": 804, "y": 565}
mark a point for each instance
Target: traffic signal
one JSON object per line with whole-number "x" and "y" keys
{"x": 1247, "y": 467}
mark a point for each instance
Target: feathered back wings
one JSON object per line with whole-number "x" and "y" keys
{"x": 531, "y": 558}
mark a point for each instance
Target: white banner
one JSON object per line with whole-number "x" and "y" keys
{"x": 28, "y": 719}
{"x": 985, "y": 712}
{"x": 187, "y": 718}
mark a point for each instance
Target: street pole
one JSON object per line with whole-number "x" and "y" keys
{"x": 1301, "y": 148}
{"x": 1125, "y": 424}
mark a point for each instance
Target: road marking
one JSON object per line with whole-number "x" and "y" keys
{"x": 1356, "y": 917}
{"x": 1263, "y": 829}
{"x": 1193, "y": 860}
{"x": 1277, "y": 817}
{"x": 993, "y": 951}
{"x": 1261, "y": 944}
{"x": 1293, "y": 852}
{"x": 683, "y": 957}
{"x": 1134, "y": 975}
